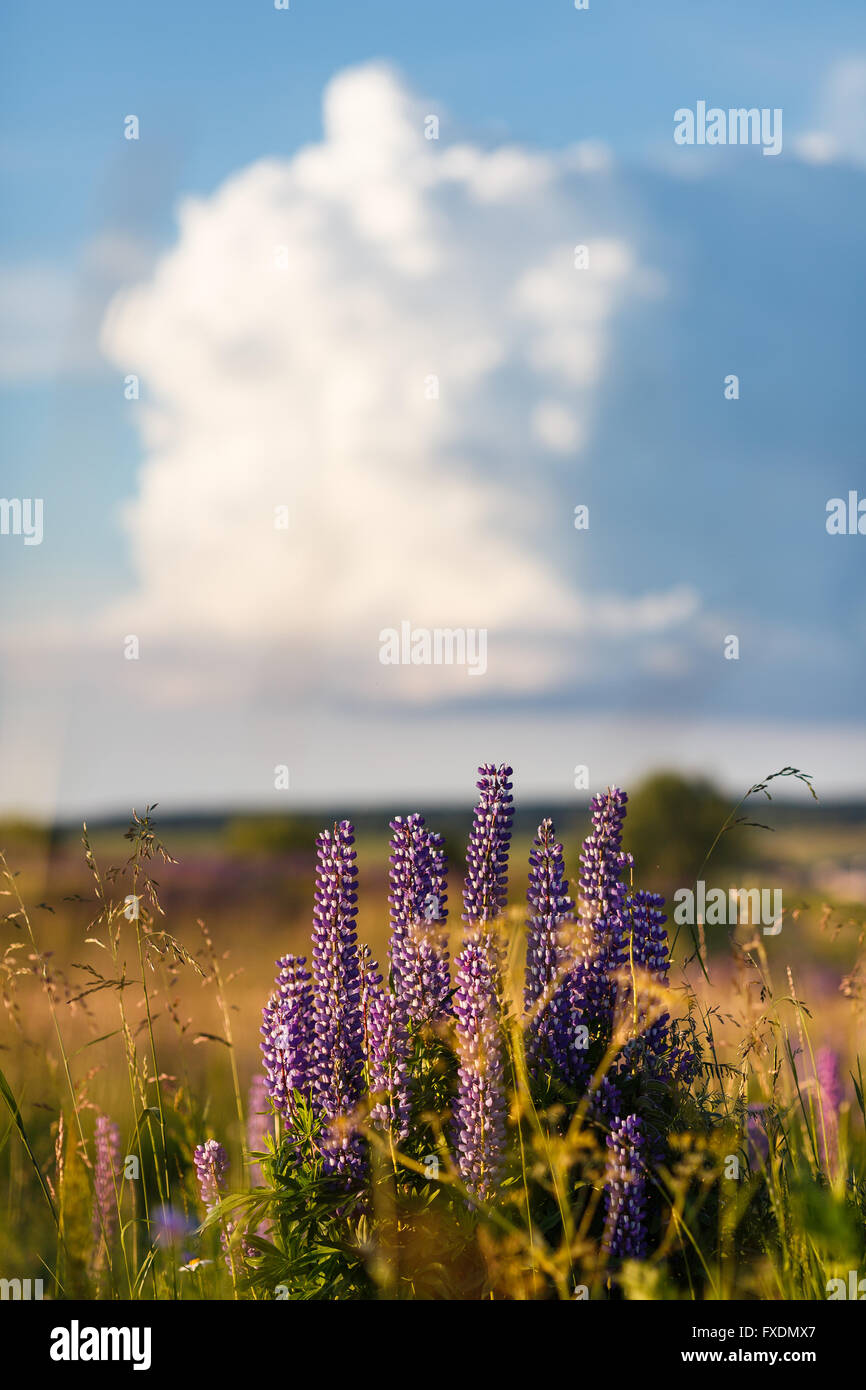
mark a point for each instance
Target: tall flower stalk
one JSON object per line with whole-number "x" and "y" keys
{"x": 429, "y": 939}
{"x": 626, "y": 1189}
{"x": 211, "y": 1166}
{"x": 649, "y": 953}
{"x": 480, "y": 1111}
{"x": 386, "y": 1048}
{"x": 549, "y": 908}
{"x": 582, "y": 1007}
{"x": 337, "y": 1046}
{"x": 486, "y": 887}
{"x": 287, "y": 1037}
{"x": 388, "y": 1064}
{"x": 603, "y": 903}
{"x": 418, "y": 955}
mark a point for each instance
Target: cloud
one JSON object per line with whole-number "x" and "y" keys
{"x": 50, "y": 319}
{"x": 290, "y": 345}
{"x": 36, "y": 306}
{"x": 391, "y": 341}
{"x": 839, "y": 133}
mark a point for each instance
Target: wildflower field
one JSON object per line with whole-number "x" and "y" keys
{"x": 539, "y": 1087}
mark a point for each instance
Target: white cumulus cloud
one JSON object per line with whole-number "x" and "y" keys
{"x": 387, "y": 337}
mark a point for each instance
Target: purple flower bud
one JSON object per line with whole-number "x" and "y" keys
{"x": 603, "y": 902}
{"x": 546, "y": 956}
{"x": 386, "y": 1047}
{"x": 571, "y": 1022}
{"x": 418, "y": 954}
{"x": 369, "y": 980}
{"x": 582, "y": 1007}
{"x": 287, "y": 1036}
{"x": 480, "y": 1108}
{"x": 650, "y": 940}
{"x": 337, "y": 1048}
{"x": 211, "y": 1166}
{"x": 649, "y": 949}
{"x": 486, "y": 888}
{"x": 105, "y": 1177}
{"x": 606, "y": 1101}
{"x": 626, "y": 1189}
{"x": 432, "y": 935}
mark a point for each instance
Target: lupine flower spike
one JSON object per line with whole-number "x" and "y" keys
{"x": 105, "y": 1178}
{"x": 337, "y": 1047}
{"x": 211, "y": 1166}
{"x": 434, "y": 953}
{"x": 626, "y": 1189}
{"x": 603, "y": 901}
{"x": 649, "y": 953}
{"x": 581, "y": 1011}
{"x": 418, "y": 956}
{"x": 479, "y": 1120}
{"x": 550, "y": 908}
{"x": 486, "y": 886}
{"x": 287, "y": 1036}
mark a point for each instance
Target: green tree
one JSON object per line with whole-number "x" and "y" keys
{"x": 672, "y": 822}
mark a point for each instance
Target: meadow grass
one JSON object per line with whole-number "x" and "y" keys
{"x": 758, "y": 1190}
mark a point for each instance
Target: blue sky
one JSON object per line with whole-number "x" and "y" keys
{"x": 707, "y": 515}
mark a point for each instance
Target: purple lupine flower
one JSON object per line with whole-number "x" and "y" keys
{"x": 603, "y": 902}
{"x": 211, "y": 1166}
{"x": 386, "y": 1048}
{"x": 685, "y": 1065}
{"x": 370, "y": 982}
{"x": 417, "y": 957}
{"x": 259, "y": 1125}
{"x": 626, "y": 1189}
{"x": 408, "y": 885}
{"x": 287, "y": 1034}
{"x": 583, "y": 1003}
{"x": 105, "y": 1176}
{"x": 650, "y": 940}
{"x": 569, "y": 1037}
{"x": 832, "y": 1093}
{"x": 431, "y": 936}
{"x": 649, "y": 950}
{"x": 337, "y": 1048}
{"x": 549, "y": 907}
{"x": 486, "y": 887}
{"x": 480, "y": 1109}
{"x": 605, "y": 1102}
